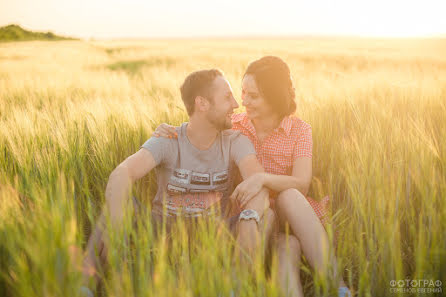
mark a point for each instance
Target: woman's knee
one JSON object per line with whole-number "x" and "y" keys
{"x": 285, "y": 198}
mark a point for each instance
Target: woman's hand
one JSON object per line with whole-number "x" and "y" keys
{"x": 165, "y": 130}
{"x": 248, "y": 188}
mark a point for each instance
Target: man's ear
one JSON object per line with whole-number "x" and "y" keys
{"x": 201, "y": 103}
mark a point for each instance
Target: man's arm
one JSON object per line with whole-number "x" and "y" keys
{"x": 249, "y": 166}
{"x": 119, "y": 183}
{"x": 249, "y": 232}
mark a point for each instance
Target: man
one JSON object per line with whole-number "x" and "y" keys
{"x": 194, "y": 169}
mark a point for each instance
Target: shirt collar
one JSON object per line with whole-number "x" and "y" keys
{"x": 284, "y": 126}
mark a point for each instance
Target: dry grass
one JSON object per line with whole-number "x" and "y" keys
{"x": 71, "y": 111}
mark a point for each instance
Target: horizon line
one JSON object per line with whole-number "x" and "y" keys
{"x": 240, "y": 36}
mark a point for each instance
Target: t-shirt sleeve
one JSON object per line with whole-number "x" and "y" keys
{"x": 160, "y": 147}
{"x": 241, "y": 147}
{"x": 304, "y": 143}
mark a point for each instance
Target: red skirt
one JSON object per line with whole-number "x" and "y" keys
{"x": 320, "y": 208}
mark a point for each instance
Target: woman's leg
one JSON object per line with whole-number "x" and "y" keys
{"x": 289, "y": 252}
{"x": 293, "y": 207}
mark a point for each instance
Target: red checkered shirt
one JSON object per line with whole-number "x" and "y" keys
{"x": 277, "y": 152}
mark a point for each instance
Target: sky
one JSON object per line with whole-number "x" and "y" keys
{"x": 104, "y": 19}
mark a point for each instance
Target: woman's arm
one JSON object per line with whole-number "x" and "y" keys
{"x": 299, "y": 179}
{"x": 302, "y": 172}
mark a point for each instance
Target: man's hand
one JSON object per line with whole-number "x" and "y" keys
{"x": 259, "y": 203}
{"x": 250, "y": 167}
{"x": 247, "y": 189}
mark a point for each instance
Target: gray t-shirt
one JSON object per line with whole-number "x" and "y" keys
{"x": 192, "y": 181}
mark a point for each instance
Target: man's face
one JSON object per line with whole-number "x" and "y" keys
{"x": 222, "y": 104}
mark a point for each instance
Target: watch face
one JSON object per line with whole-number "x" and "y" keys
{"x": 248, "y": 212}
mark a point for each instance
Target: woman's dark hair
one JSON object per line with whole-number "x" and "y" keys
{"x": 273, "y": 79}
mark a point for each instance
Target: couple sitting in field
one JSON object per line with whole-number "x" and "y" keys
{"x": 272, "y": 151}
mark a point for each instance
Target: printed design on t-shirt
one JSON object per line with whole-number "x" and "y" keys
{"x": 174, "y": 190}
{"x": 191, "y": 192}
{"x": 192, "y": 203}
{"x": 200, "y": 179}
{"x": 181, "y": 175}
{"x": 199, "y": 191}
{"x": 219, "y": 178}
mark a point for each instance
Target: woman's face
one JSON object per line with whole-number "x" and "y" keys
{"x": 256, "y": 105}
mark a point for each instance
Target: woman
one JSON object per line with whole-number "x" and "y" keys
{"x": 283, "y": 145}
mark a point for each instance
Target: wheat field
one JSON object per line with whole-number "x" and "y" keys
{"x": 71, "y": 111}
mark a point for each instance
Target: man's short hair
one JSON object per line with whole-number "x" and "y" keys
{"x": 198, "y": 83}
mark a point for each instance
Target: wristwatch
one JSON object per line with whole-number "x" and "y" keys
{"x": 249, "y": 214}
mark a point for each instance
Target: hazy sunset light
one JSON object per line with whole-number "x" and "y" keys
{"x": 199, "y": 18}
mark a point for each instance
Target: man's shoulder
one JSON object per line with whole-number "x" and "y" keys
{"x": 166, "y": 141}
{"x": 239, "y": 145}
{"x": 160, "y": 144}
{"x": 237, "y": 140}
{"x": 181, "y": 129}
